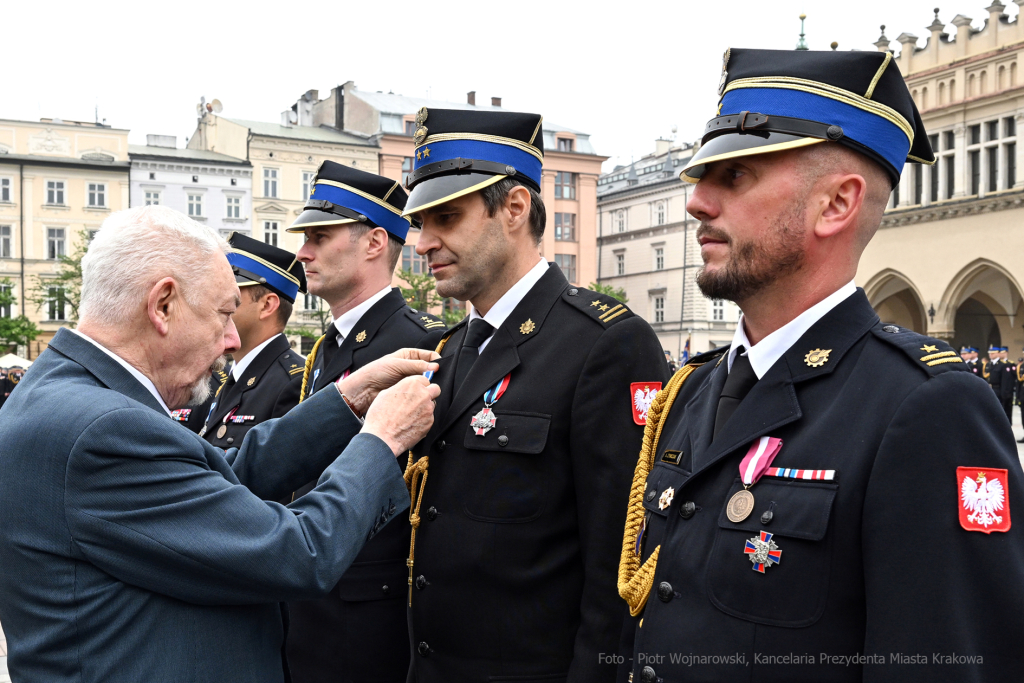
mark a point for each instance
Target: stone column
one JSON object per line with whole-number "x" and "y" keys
{"x": 1018, "y": 120}
{"x": 926, "y": 172}
{"x": 960, "y": 167}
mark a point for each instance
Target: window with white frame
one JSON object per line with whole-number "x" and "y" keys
{"x": 55, "y": 243}
{"x": 620, "y": 221}
{"x": 565, "y": 185}
{"x": 5, "y": 189}
{"x": 270, "y": 183}
{"x": 55, "y": 192}
{"x": 659, "y": 309}
{"x": 620, "y": 263}
{"x": 567, "y": 262}
{"x": 309, "y": 302}
{"x": 97, "y": 195}
{"x": 152, "y": 198}
{"x": 234, "y": 207}
{"x": 270, "y": 233}
{"x": 411, "y": 261}
{"x": 195, "y": 205}
{"x": 5, "y": 241}
{"x": 659, "y": 258}
{"x": 660, "y": 215}
{"x": 56, "y": 307}
{"x": 307, "y": 179}
{"x": 565, "y": 227}
{"x": 717, "y": 309}
{"x": 406, "y": 170}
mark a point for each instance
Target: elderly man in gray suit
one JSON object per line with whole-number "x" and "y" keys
{"x": 131, "y": 549}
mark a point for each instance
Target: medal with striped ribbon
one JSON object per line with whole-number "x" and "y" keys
{"x": 752, "y": 468}
{"x": 485, "y": 420}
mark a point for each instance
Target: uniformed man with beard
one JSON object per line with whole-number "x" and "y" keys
{"x": 543, "y": 391}
{"x": 829, "y": 490}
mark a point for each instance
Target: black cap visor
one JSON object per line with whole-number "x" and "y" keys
{"x": 734, "y": 145}
{"x": 431, "y": 192}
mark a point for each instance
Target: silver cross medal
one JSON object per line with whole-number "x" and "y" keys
{"x": 484, "y": 421}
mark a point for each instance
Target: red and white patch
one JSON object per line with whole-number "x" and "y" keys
{"x": 642, "y": 394}
{"x": 984, "y": 499}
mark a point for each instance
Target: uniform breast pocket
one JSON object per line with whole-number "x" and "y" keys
{"x": 510, "y": 478}
{"x": 791, "y": 592}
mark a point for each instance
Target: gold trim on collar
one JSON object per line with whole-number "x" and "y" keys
{"x": 831, "y": 92}
{"x": 268, "y": 264}
{"x": 497, "y": 139}
{"x": 455, "y": 195}
{"x": 765, "y": 149}
{"x": 362, "y": 194}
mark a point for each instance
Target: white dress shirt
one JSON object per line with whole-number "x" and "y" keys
{"x": 350, "y": 317}
{"x": 142, "y": 379}
{"x": 763, "y": 354}
{"x": 504, "y": 306}
{"x": 240, "y": 365}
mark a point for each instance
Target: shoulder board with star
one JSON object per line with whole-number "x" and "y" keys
{"x": 604, "y": 309}
{"x": 933, "y": 355}
{"x": 712, "y": 356}
{"x": 424, "y": 319}
{"x": 292, "y": 363}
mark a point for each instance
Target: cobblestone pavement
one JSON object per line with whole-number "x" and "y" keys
{"x": 1018, "y": 432}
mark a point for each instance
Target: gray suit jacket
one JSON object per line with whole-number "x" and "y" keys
{"x": 132, "y": 550}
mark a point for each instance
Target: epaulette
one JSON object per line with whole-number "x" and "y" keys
{"x": 603, "y": 308}
{"x": 292, "y": 363}
{"x": 708, "y": 356}
{"x": 424, "y": 320}
{"x": 933, "y": 355}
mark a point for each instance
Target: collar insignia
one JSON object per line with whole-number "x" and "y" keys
{"x": 817, "y": 357}
{"x": 252, "y": 380}
{"x": 361, "y": 337}
{"x": 527, "y": 327}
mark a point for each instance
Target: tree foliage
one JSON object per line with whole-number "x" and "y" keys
{"x": 608, "y": 290}
{"x": 422, "y": 295}
{"x": 68, "y": 281}
{"x": 320, "y": 317}
{"x": 14, "y": 331}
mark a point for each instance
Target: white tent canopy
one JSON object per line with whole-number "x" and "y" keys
{"x": 10, "y": 361}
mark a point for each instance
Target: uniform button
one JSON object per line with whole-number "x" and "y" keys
{"x": 502, "y": 440}
{"x": 664, "y": 591}
{"x": 431, "y": 513}
{"x": 231, "y": 439}
{"x": 573, "y": 291}
{"x": 687, "y": 509}
{"x": 423, "y": 649}
{"x": 386, "y": 589}
{"x": 647, "y": 675}
{"x": 421, "y": 582}
{"x": 440, "y": 445}
{"x": 766, "y": 518}
{"x": 651, "y": 494}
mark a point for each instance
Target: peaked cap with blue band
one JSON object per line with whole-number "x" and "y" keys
{"x": 773, "y": 100}
{"x": 459, "y": 151}
{"x": 256, "y": 263}
{"x": 342, "y": 194}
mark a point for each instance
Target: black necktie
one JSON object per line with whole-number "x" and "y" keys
{"x": 329, "y": 346}
{"x": 737, "y": 385}
{"x": 479, "y": 330}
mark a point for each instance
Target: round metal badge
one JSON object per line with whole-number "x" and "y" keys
{"x": 740, "y": 506}
{"x": 223, "y": 429}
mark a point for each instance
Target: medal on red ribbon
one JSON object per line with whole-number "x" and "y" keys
{"x": 485, "y": 420}
{"x": 752, "y": 468}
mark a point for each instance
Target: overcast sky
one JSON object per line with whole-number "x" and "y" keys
{"x": 625, "y": 72}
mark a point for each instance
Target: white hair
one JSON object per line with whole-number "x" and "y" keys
{"x": 135, "y": 248}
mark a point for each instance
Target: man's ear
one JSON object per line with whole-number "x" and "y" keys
{"x": 164, "y": 304}
{"x": 269, "y": 305}
{"x": 377, "y": 243}
{"x": 517, "y": 205}
{"x": 845, "y": 196}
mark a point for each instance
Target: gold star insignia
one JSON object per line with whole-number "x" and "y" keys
{"x": 595, "y": 302}
{"x": 426, "y": 152}
{"x": 252, "y": 380}
{"x": 928, "y": 348}
{"x": 361, "y": 337}
{"x": 527, "y": 327}
{"x": 419, "y": 155}
{"x": 425, "y": 319}
{"x": 603, "y": 308}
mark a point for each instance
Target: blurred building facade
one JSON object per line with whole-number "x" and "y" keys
{"x": 58, "y": 181}
{"x": 946, "y": 260}
{"x": 647, "y": 246}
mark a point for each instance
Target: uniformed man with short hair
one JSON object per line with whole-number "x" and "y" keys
{"x": 543, "y": 391}
{"x": 1008, "y": 382}
{"x": 991, "y": 367}
{"x": 265, "y": 379}
{"x": 355, "y": 232}
{"x": 970, "y": 356}
{"x": 830, "y": 497}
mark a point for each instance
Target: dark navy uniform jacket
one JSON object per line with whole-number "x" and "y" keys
{"x": 359, "y": 633}
{"x": 268, "y": 388}
{"x": 515, "y": 556}
{"x": 873, "y": 564}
